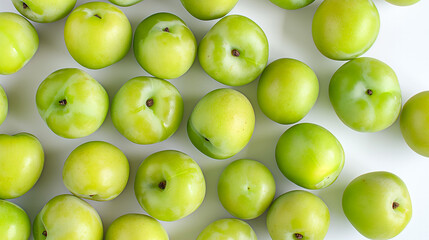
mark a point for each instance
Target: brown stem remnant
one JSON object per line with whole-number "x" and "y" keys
{"x": 162, "y": 185}
{"x": 44, "y": 233}
{"x": 24, "y": 5}
{"x": 166, "y": 29}
{"x": 63, "y": 102}
{"x": 298, "y": 236}
{"x": 235, "y": 53}
{"x": 149, "y": 102}
{"x": 395, "y": 205}
{"x": 369, "y": 92}
{"x": 96, "y": 15}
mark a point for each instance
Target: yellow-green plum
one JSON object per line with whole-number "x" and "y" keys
{"x": 298, "y": 215}
{"x": 234, "y": 51}
{"x": 19, "y": 42}
{"x": 414, "y": 123}
{"x": 147, "y": 110}
{"x": 310, "y": 156}
{"x": 345, "y": 29}
{"x": 221, "y": 123}
{"x": 21, "y": 163}
{"x": 169, "y": 185}
{"x": 365, "y": 94}
{"x": 14, "y": 222}
{"x": 66, "y": 217}
{"x": 403, "y": 2}
{"x": 44, "y": 11}
{"x": 246, "y": 188}
{"x": 209, "y": 9}
{"x": 96, "y": 170}
{"x": 227, "y": 229}
{"x": 72, "y": 103}
{"x": 164, "y": 46}
{"x": 97, "y": 34}
{"x": 287, "y": 90}
{"x": 378, "y": 205}
{"x": 3, "y": 105}
{"x": 136, "y": 227}
{"x": 292, "y": 4}
{"x": 125, "y": 3}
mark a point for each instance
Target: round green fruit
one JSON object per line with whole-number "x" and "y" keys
{"x": 14, "y": 222}
{"x": 3, "y": 105}
{"x": 44, "y": 11}
{"x": 136, "y": 227}
{"x": 287, "y": 90}
{"x": 292, "y": 4}
{"x": 97, "y": 171}
{"x": 125, "y": 3}
{"x": 234, "y": 51}
{"x": 208, "y": 9}
{"x": 414, "y": 123}
{"x": 403, "y": 2}
{"x": 366, "y": 95}
{"x": 19, "y": 42}
{"x": 298, "y": 215}
{"x": 345, "y": 29}
{"x": 147, "y": 110}
{"x": 310, "y": 156}
{"x": 226, "y": 229}
{"x": 378, "y": 205}
{"x": 164, "y": 46}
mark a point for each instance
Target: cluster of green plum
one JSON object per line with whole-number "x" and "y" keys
{"x": 170, "y": 185}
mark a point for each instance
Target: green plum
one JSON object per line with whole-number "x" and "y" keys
{"x": 136, "y": 227}
{"x": 21, "y": 164}
{"x": 292, "y": 4}
{"x": 44, "y": 11}
{"x": 72, "y": 103}
{"x": 97, "y": 171}
{"x": 403, "y": 2}
{"x": 378, "y": 205}
{"x": 209, "y": 9}
{"x": 287, "y": 90}
{"x": 227, "y": 229}
{"x": 169, "y": 185}
{"x": 234, "y": 51}
{"x": 164, "y": 46}
{"x": 298, "y": 215}
{"x": 147, "y": 110}
{"x": 221, "y": 123}
{"x": 345, "y": 29}
{"x": 310, "y": 156}
{"x": 66, "y": 217}
{"x": 365, "y": 94}
{"x": 414, "y": 123}
{"x": 97, "y": 34}
{"x": 125, "y": 3}
{"x": 19, "y": 42}
{"x": 3, "y": 105}
{"x": 14, "y": 222}
{"x": 246, "y": 188}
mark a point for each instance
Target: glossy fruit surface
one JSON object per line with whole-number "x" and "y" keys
{"x": 125, "y": 3}
{"x": 14, "y": 222}
{"x": 227, "y": 229}
{"x": 209, "y": 9}
{"x": 136, "y": 227}
{"x": 292, "y": 4}
{"x": 44, "y": 11}
{"x": 403, "y": 2}
{"x": 4, "y": 105}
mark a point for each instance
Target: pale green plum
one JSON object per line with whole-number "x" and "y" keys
{"x": 345, "y": 29}
{"x": 298, "y": 215}
{"x": 66, "y": 217}
{"x": 169, "y": 185}
{"x": 44, "y": 11}
{"x": 97, "y": 171}
{"x": 292, "y": 4}
{"x": 19, "y": 42}
{"x": 125, "y": 3}
{"x": 234, "y": 51}
{"x": 97, "y": 34}
{"x": 164, "y": 46}
{"x": 72, "y": 103}
{"x": 403, "y": 2}
{"x": 136, "y": 227}
{"x": 287, "y": 90}
{"x": 221, "y": 123}
{"x": 365, "y": 94}
{"x": 21, "y": 163}
{"x": 378, "y": 205}
{"x": 246, "y": 188}
{"x": 14, "y": 222}
{"x": 310, "y": 156}
{"x": 147, "y": 110}
{"x": 209, "y": 9}
{"x": 3, "y": 105}
{"x": 414, "y": 123}
{"x": 227, "y": 229}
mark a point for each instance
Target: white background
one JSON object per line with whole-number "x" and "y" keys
{"x": 402, "y": 43}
